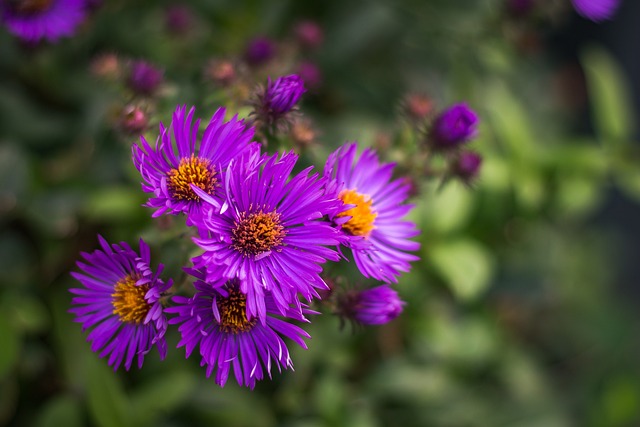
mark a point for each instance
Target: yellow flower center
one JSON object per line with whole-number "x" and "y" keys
{"x": 257, "y": 232}
{"x": 233, "y": 313}
{"x": 29, "y": 7}
{"x": 191, "y": 170}
{"x": 128, "y": 300}
{"x": 362, "y": 216}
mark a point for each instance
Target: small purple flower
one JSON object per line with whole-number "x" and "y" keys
{"x": 596, "y": 10}
{"x": 215, "y": 319}
{"x": 144, "y": 78}
{"x": 453, "y": 127}
{"x": 120, "y": 302}
{"x": 375, "y": 306}
{"x": 309, "y": 34}
{"x": 310, "y": 74}
{"x": 270, "y": 234}
{"x": 259, "y": 51}
{"x": 179, "y": 18}
{"x": 282, "y": 94}
{"x": 466, "y": 166}
{"x": 33, "y": 20}
{"x": 177, "y": 165}
{"x": 371, "y": 219}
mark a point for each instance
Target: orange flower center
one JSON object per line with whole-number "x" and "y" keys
{"x": 128, "y": 300}
{"x": 233, "y": 313}
{"x": 362, "y": 216}
{"x": 192, "y": 170}
{"x": 257, "y": 232}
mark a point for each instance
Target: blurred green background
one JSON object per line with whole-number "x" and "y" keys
{"x": 523, "y": 310}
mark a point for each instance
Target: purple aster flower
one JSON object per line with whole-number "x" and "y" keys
{"x": 144, "y": 78}
{"x": 375, "y": 306}
{"x": 215, "y": 319}
{"x": 270, "y": 233}
{"x": 177, "y": 165}
{"x": 372, "y": 220}
{"x": 596, "y": 10}
{"x": 466, "y": 166}
{"x": 120, "y": 302}
{"x": 34, "y": 20}
{"x": 453, "y": 127}
{"x": 310, "y": 74}
{"x": 259, "y": 51}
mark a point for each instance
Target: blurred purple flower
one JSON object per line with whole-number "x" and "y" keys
{"x": 466, "y": 166}
{"x": 179, "y": 18}
{"x": 596, "y": 10}
{"x": 144, "y": 78}
{"x": 309, "y": 34}
{"x": 34, "y": 20}
{"x": 310, "y": 74}
{"x": 375, "y": 306}
{"x": 259, "y": 51}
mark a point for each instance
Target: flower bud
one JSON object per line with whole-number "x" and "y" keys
{"x": 309, "y": 34}
{"x": 282, "y": 94}
{"x": 144, "y": 78}
{"x": 221, "y": 72}
{"x": 259, "y": 51}
{"x": 133, "y": 119}
{"x": 453, "y": 127}
{"x": 374, "y": 306}
{"x": 466, "y": 166}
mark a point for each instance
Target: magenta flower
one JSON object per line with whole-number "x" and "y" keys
{"x": 215, "y": 320}
{"x": 453, "y": 127}
{"x": 46, "y": 19}
{"x": 375, "y": 306}
{"x": 596, "y": 10}
{"x": 177, "y": 165}
{"x": 466, "y": 166}
{"x": 270, "y": 234}
{"x": 144, "y": 78}
{"x": 371, "y": 218}
{"x": 120, "y": 303}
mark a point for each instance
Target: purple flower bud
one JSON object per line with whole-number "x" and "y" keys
{"x": 179, "y": 18}
{"x": 310, "y": 74}
{"x": 133, "y": 119}
{"x": 282, "y": 95}
{"x": 309, "y": 34}
{"x": 259, "y": 51}
{"x": 375, "y": 306}
{"x": 453, "y": 127}
{"x": 144, "y": 78}
{"x": 596, "y": 10}
{"x": 466, "y": 166}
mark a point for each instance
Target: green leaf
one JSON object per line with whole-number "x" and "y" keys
{"x": 161, "y": 396}
{"x": 609, "y": 91}
{"x": 61, "y": 411}
{"x": 10, "y": 348}
{"x": 108, "y": 404}
{"x": 450, "y": 208}
{"x": 465, "y": 265}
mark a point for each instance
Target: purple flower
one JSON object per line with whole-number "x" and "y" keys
{"x": 179, "y": 18}
{"x": 33, "y": 20}
{"x": 144, "y": 78}
{"x": 453, "y": 127}
{"x": 259, "y": 51}
{"x": 371, "y": 219}
{"x": 270, "y": 233}
{"x": 310, "y": 74}
{"x": 120, "y": 302}
{"x": 175, "y": 167}
{"x": 466, "y": 166}
{"x": 215, "y": 319}
{"x": 375, "y": 306}
{"x": 596, "y": 10}
{"x": 309, "y": 34}
{"x": 282, "y": 95}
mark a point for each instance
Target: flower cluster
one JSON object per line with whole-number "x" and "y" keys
{"x": 263, "y": 229}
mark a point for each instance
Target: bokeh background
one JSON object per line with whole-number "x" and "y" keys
{"x": 523, "y": 309}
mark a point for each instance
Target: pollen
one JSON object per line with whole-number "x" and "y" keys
{"x": 257, "y": 232}
{"x": 128, "y": 301}
{"x": 233, "y": 313}
{"x": 362, "y": 215}
{"x": 191, "y": 170}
